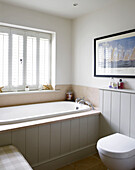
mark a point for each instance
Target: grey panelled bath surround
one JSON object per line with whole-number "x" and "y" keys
{"x": 55, "y": 144}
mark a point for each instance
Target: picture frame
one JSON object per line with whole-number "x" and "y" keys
{"x": 114, "y": 55}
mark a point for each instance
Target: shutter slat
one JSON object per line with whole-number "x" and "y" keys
{"x": 17, "y": 60}
{"x": 44, "y": 64}
{"x": 4, "y": 59}
{"x": 31, "y": 60}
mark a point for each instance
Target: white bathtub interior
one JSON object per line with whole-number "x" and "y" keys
{"x": 16, "y": 114}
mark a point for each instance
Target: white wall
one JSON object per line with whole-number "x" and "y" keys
{"x": 62, "y": 27}
{"x": 116, "y": 18}
{"x": 80, "y": 35}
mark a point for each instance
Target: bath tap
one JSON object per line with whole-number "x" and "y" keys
{"x": 82, "y": 101}
{"x": 90, "y": 104}
{"x": 77, "y": 100}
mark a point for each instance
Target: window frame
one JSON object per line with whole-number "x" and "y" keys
{"x": 28, "y": 31}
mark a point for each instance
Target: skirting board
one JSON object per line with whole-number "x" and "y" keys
{"x": 66, "y": 159}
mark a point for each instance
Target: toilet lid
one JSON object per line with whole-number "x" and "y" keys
{"x": 117, "y": 146}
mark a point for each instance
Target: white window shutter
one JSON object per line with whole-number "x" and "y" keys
{"x": 4, "y": 46}
{"x": 31, "y": 60}
{"x": 44, "y": 61}
{"x": 17, "y": 60}
{"x": 25, "y": 58}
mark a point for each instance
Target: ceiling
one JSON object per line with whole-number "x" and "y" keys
{"x": 63, "y": 8}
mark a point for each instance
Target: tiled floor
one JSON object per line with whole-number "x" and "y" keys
{"x": 90, "y": 163}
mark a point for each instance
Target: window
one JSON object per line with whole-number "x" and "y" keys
{"x": 26, "y": 58}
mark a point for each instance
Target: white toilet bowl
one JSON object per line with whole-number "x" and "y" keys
{"x": 117, "y": 152}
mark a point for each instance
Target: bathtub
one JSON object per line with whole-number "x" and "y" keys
{"x": 17, "y": 114}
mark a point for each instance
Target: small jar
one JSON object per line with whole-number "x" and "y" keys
{"x": 69, "y": 96}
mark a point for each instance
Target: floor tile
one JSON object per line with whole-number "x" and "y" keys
{"x": 89, "y": 163}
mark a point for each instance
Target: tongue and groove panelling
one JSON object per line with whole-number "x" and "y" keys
{"x": 117, "y": 112}
{"x": 52, "y": 145}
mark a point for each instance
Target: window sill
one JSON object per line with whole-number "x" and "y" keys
{"x": 29, "y": 92}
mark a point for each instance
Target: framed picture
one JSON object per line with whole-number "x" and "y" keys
{"x": 114, "y": 55}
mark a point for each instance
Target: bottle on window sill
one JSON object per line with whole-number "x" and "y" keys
{"x": 27, "y": 88}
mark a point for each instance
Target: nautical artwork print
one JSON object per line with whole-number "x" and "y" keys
{"x": 118, "y": 53}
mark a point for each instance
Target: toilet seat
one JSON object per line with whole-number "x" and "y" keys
{"x": 117, "y": 146}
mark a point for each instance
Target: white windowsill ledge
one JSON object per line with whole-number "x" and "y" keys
{"x": 29, "y": 92}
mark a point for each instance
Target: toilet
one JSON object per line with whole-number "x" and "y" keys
{"x": 117, "y": 152}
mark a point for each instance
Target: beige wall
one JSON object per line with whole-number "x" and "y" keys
{"x": 12, "y": 99}
{"x": 89, "y": 93}
{"x": 37, "y": 97}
